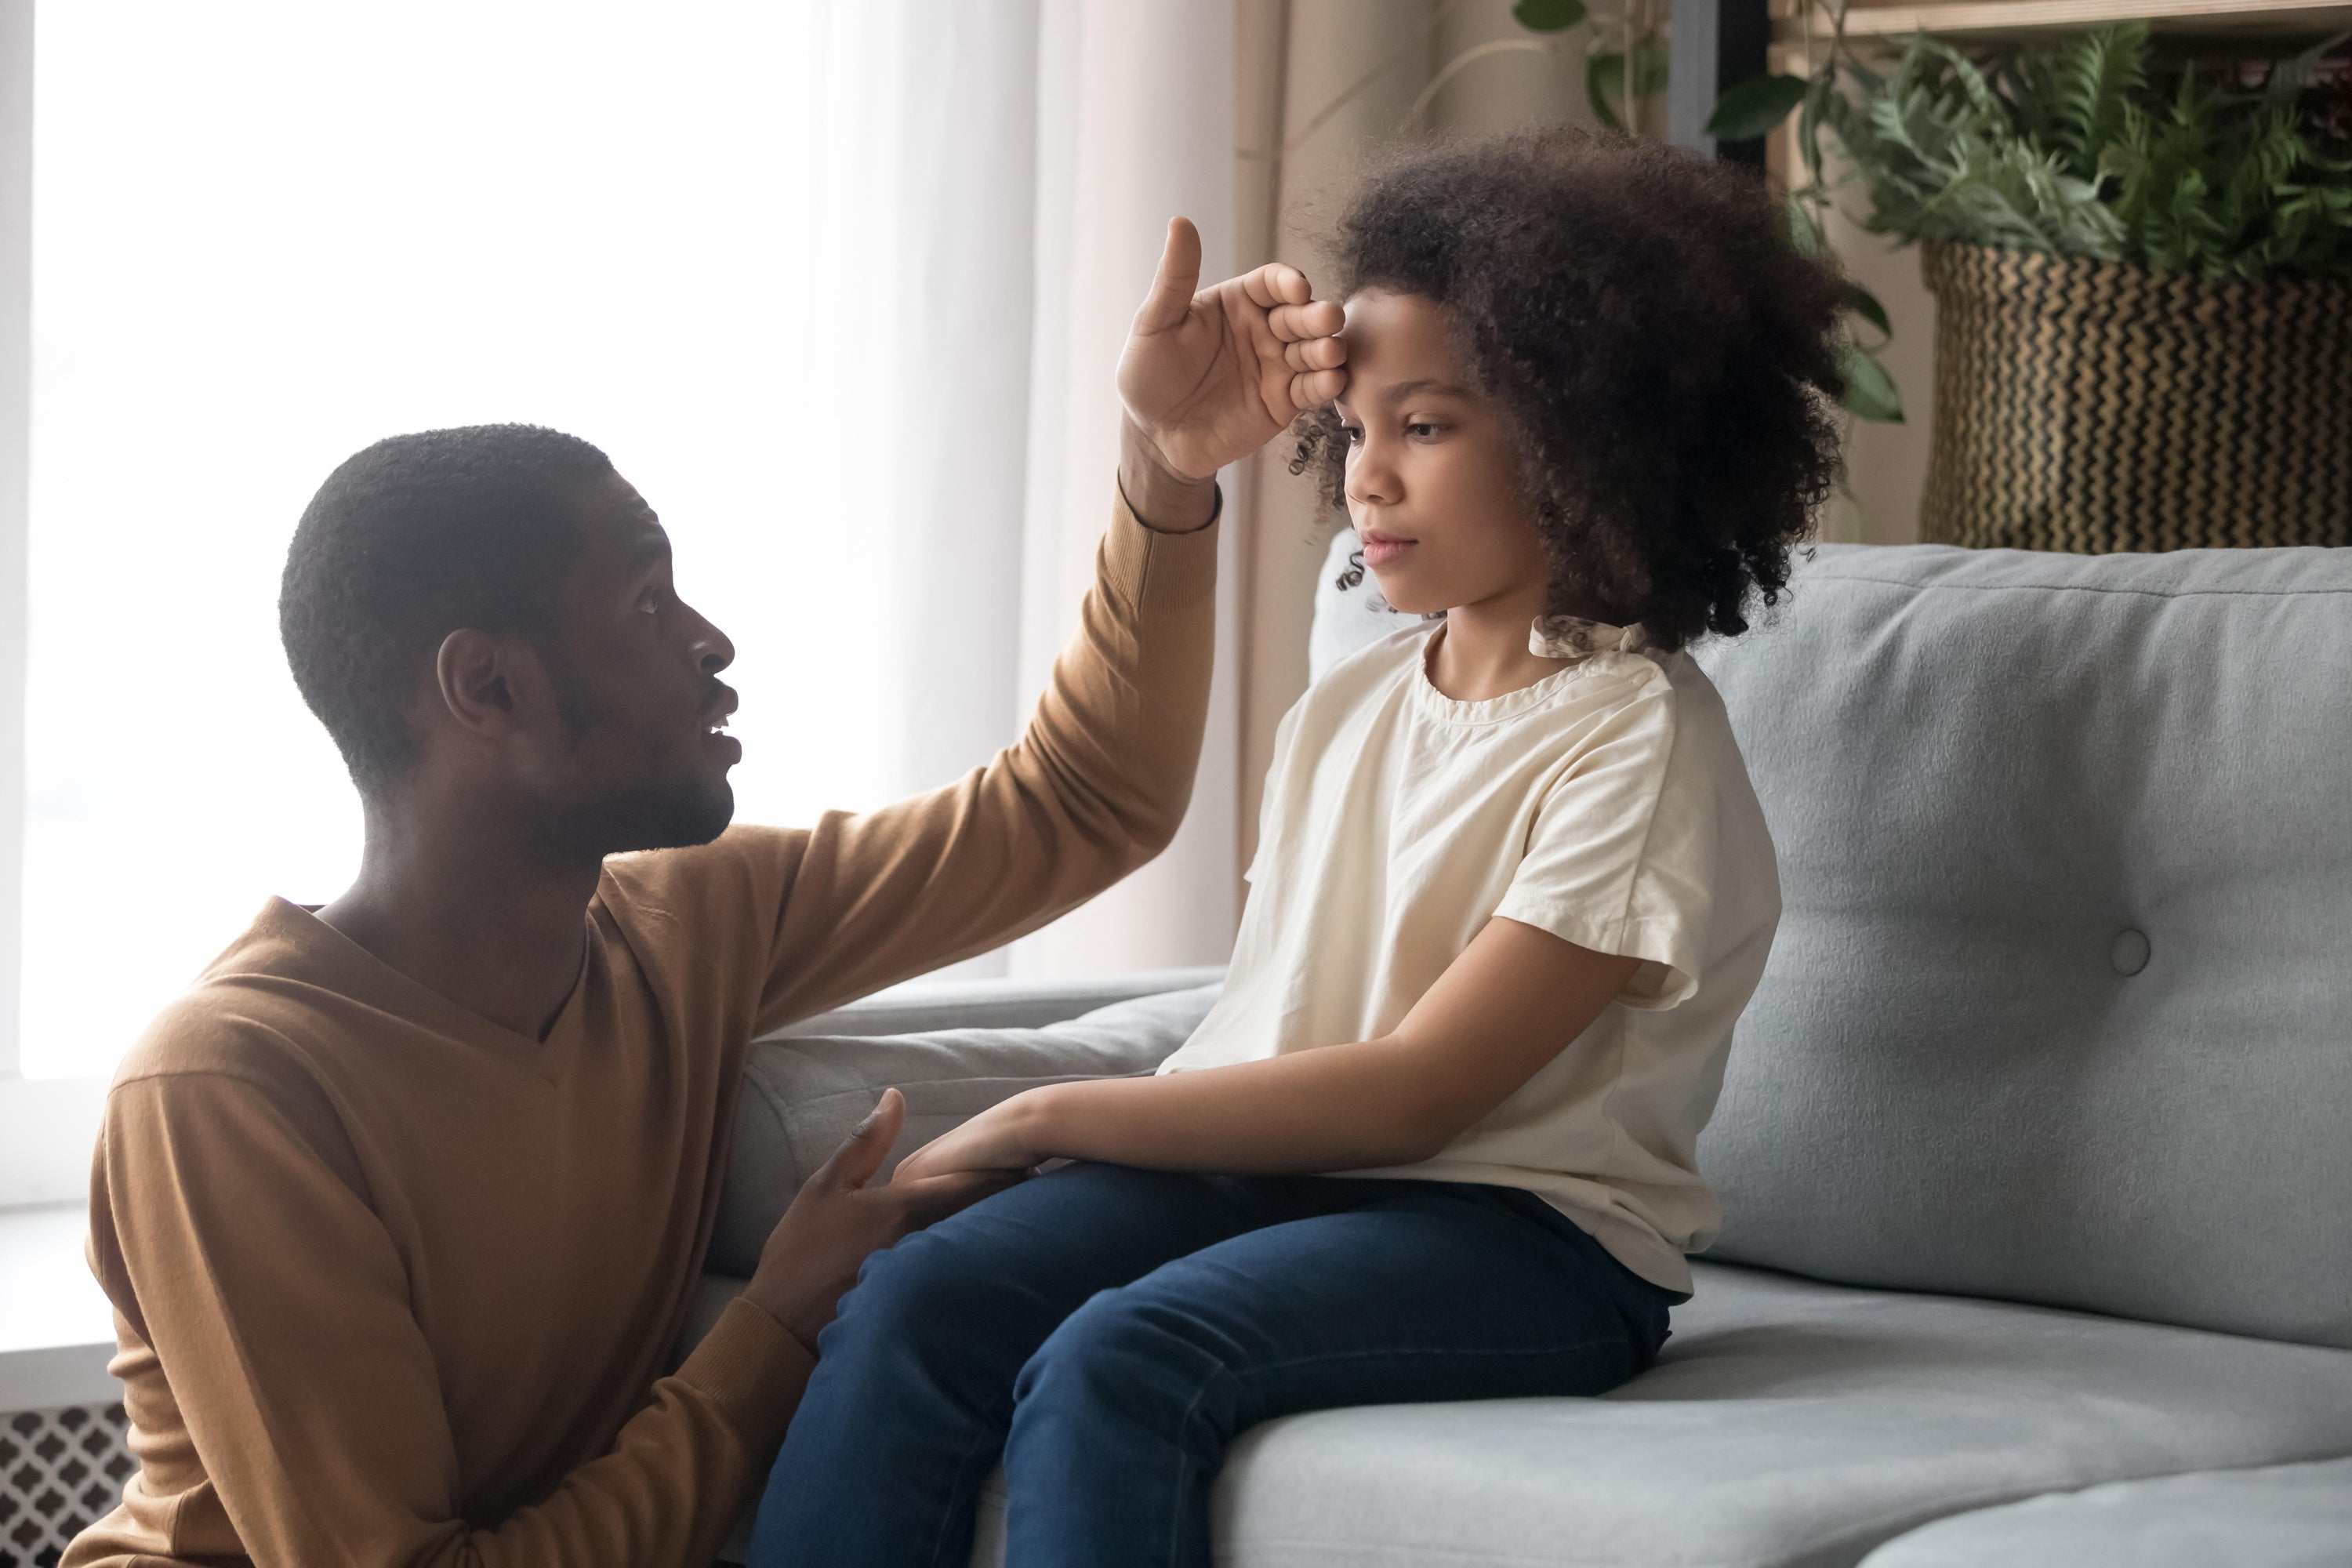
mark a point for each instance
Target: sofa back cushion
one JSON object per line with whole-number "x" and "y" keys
{"x": 2061, "y": 1008}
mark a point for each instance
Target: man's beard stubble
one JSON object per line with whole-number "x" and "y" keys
{"x": 677, "y": 815}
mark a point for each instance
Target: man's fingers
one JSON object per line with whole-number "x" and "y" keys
{"x": 1317, "y": 387}
{"x": 1275, "y": 284}
{"x": 1178, "y": 280}
{"x": 1316, "y": 354}
{"x": 1307, "y": 319}
{"x": 861, "y": 1155}
{"x": 933, "y": 1198}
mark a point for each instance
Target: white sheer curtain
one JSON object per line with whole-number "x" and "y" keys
{"x": 838, "y": 284}
{"x": 1135, "y": 115}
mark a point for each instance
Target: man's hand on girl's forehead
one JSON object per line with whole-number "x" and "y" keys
{"x": 1306, "y": 328}
{"x": 1211, "y": 375}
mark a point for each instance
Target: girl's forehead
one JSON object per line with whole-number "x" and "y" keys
{"x": 1400, "y": 347}
{"x": 1395, "y": 338}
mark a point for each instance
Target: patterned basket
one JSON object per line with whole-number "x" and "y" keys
{"x": 2096, "y": 405}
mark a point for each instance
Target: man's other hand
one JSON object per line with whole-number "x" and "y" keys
{"x": 839, "y": 1219}
{"x": 1210, "y": 376}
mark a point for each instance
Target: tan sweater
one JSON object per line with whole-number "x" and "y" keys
{"x": 397, "y": 1285}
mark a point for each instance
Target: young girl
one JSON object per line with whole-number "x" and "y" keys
{"x": 1435, "y": 1141}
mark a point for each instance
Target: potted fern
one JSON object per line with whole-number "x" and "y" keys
{"x": 2143, "y": 283}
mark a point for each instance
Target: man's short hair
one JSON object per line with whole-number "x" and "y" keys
{"x": 409, "y": 541}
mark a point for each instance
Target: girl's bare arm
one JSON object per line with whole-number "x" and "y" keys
{"x": 1514, "y": 1000}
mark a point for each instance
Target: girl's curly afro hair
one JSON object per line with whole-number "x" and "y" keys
{"x": 1669, "y": 357}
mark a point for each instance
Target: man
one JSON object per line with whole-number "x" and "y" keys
{"x": 400, "y": 1206}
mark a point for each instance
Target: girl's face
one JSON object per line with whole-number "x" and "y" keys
{"x": 1432, "y": 466}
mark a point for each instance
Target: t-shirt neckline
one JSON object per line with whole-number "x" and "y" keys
{"x": 1434, "y": 704}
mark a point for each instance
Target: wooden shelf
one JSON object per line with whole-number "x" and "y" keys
{"x": 2020, "y": 18}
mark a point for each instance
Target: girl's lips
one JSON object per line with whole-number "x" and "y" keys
{"x": 1380, "y": 549}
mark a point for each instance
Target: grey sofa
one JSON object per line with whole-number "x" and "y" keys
{"x": 2035, "y": 1148}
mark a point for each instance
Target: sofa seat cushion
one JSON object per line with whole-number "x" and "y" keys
{"x": 2281, "y": 1516}
{"x": 1787, "y": 1423}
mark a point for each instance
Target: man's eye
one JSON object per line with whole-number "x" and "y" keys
{"x": 649, "y": 602}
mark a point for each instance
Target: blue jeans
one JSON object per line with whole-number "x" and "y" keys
{"x": 1107, "y": 1333}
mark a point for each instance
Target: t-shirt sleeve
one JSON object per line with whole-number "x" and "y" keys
{"x": 1621, "y": 857}
{"x": 1275, "y": 793}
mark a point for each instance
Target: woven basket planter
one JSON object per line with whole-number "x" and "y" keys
{"x": 2097, "y": 405}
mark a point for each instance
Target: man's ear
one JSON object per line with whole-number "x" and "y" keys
{"x": 476, "y": 678}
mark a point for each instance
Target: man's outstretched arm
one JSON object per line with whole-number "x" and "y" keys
{"x": 1100, "y": 780}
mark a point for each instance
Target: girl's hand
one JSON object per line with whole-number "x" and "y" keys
{"x": 995, "y": 1140}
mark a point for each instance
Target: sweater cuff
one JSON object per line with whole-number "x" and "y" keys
{"x": 749, "y": 1367}
{"x": 1134, "y": 553}
{"x": 1216, "y": 508}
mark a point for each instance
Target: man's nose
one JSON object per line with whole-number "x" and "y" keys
{"x": 713, "y": 651}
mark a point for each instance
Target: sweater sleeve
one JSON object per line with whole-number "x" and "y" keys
{"x": 277, "y": 1306}
{"x": 807, "y": 919}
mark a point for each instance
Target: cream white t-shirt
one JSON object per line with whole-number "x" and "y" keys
{"x": 1608, "y": 804}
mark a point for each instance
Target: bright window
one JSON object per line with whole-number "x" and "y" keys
{"x": 267, "y": 234}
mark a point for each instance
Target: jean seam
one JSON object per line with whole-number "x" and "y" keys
{"x": 1184, "y": 1460}
{"x": 947, "y": 1519}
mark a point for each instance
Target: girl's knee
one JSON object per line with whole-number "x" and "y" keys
{"x": 917, "y": 1287}
{"x": 1126, "y": 1347}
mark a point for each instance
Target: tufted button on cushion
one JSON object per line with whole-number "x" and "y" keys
{"x": 2129, "y": 956}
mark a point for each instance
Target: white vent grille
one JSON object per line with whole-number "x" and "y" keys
{"x": 61, "y": 1470}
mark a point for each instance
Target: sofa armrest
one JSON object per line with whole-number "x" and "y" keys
{"x": 924, "y": 1005}
{"x": 804, "y": 1092}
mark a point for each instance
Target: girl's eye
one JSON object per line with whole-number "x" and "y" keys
{"x": 1422, "y": 432}
{"x": 1352, "y": 433}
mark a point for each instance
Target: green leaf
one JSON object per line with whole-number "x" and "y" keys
{"x": 1652, "y": 57}
{"x": 1749, "y": 110}
{"x": 1604, "y": 79}
{"x": 1804, "y": 229}
{"x": 2082, "y": 90}
{"x": 1869, "y": 391}
{"x": 1818, "y": 93}
{"x": 1864, "y": 303}
{"x": 1549, "y": 15}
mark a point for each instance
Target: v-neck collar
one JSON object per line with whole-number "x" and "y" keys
{"x": 335, "y": 962}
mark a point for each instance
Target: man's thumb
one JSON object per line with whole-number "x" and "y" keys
{"x": 1178, "y": 278}
{"x": 861, "y": 1155}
